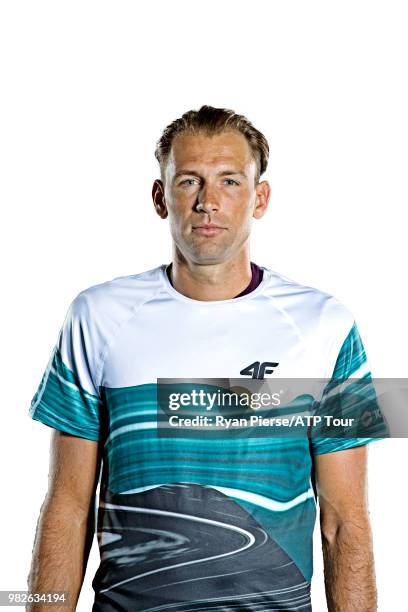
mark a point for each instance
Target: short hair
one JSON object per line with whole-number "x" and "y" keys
{"x": 210, "y": 121}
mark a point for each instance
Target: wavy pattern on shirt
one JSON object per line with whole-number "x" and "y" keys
{"x": 350, "y": 393}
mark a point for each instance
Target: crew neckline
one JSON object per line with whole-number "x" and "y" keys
{"x": 184, "y": 298}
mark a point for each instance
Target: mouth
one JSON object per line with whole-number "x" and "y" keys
{"x": 207, "y": 230}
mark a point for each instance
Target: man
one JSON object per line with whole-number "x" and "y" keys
{"x": 197, "y": 523}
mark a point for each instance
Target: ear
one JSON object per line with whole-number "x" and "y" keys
{"x": 263, "y": 194}
{"x": 158, "y": 199}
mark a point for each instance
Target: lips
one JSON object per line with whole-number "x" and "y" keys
{"x": 208, "y": 230}
{"x": 207, "y": 226}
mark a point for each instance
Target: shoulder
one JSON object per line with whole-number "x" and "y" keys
{"x": 116, "y": 297}
{"x": 312, "y": 308}
{"x": 99, "y": 311}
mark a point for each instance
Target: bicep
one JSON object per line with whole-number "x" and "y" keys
{"x": 73, "y": 471}
{"x": 341, "y": 484}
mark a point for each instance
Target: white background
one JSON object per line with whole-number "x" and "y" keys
{"x": 87, "y": 88}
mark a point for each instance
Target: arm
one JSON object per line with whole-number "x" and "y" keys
{"x": 341, "y": 480}
{"x": 66, "y": 525}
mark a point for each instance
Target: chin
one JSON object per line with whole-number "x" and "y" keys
{"x": 209, "y": 258}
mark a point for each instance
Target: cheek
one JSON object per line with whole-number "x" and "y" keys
{"x": 242, "y": 218}
{"x": 244, "y": 204}
{"x": 181, "y": 205}
{"x": 241, "y": 197}
{"x": 178, "y": 202}
{"x": 178, "y": 219}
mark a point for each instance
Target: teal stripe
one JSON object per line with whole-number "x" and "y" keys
{"x": 61, "y": 402}
{"x": 335, "y": 444}
{"x": 351, "y": 356}
{"x": 353, "y": 398}
{"x": 277, "y": 468}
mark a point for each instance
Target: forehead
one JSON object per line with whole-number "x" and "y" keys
{"x": 228, "y": 147}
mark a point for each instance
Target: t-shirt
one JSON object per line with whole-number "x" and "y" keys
{"x": 196, "y": 523}
{"x": 257, "y": 274}
{"x": 256, "y": 278}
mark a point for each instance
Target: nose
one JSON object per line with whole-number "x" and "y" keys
{"x": 207, "y": 200}
{"x": 208, "y": 208}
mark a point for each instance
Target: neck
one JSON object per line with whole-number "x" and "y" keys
{"x": 208, "y": 282}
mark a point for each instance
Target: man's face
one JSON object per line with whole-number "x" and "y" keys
{"x": 211, "y": 180}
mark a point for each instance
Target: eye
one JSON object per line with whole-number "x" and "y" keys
{"x": 188, "y": 182}
{"x": 231, "y": 182}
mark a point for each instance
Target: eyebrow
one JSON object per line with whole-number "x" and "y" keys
{"x": 223, "y": 173}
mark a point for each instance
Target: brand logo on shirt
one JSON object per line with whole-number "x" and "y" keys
{"x": 258, "y": 369}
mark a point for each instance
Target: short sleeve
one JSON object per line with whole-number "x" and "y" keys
{"x": 67, "y": 397}
{"x": 351, "y": 372}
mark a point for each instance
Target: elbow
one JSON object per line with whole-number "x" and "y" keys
{"x": 351, "y": 525}
{"x": 330, "y": 525}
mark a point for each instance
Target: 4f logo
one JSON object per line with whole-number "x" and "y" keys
{"x": 258, "y": 369}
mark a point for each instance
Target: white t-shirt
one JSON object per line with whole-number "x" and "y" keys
{"x": 196, "y": 523}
